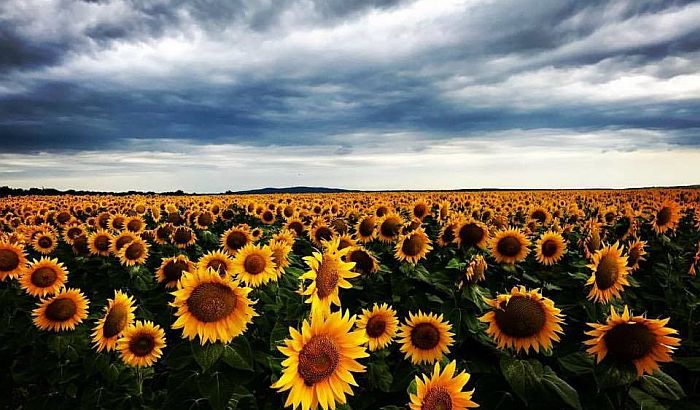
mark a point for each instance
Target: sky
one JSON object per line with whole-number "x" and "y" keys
{"x": 216, "y": 95}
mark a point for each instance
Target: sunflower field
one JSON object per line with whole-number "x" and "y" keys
{"x": 432, "y": 301}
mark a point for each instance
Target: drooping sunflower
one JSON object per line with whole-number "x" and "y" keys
{"x": 280, "y": 255}
{"x": 220, "y": 261}
{"x": 236, "y": 238}
{"x": 550, "y": 248}
{"x": 379, "y": 324}
{"x": 254, "y": 266}
{"x": 510, "y": 246}
{"x": 636, "y": 254}
{"x": 413, "y": 246}
{"x": 141, "y": 345}
{"x": 471, "y": 233}
{"x": 443, "y": 390}
{"x": 365, "y": 261}
{"x": 390, "y": 227}
{"x": 171, "y": 269}
{"x": 118, "y": 316}
{"x": 609, "y": 274}
{"x": 99, "y": 243}
{"x": 666, "y": 217}
{"x": 134, "y": 253}
{"x": 632, "y": 339}
{"x": 366, "y": 229}
{"x": 319, "y": 362}
{"x": 183, "y": 236}
{"x": 425, "y": 338}
{"x": 211, "y": 307}
{"x": 43, "y": 277}
{"x": 12, "y": 260}
{"x": 328, "y": 272}
{"x": 476, "y": 270}
{"x": 522, "y": 320}
{"x": 65, "y": 310}
{"x": 45, "y": 242}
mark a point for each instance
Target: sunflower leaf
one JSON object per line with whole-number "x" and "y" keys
{"x": 662, "y": 385}
{"x": 524, "y": 376}
{"x": 207, "y": 355}
{"x": 644, "y": 400}
{"x": 238, "y": 354}
{"x": 567, "y": 393}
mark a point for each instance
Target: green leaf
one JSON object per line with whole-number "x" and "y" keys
{"x": 524, "y": 376}
{"x": 579, "y": 363}
{"x": 179, "y": 357}
{"x": 238, "y": 354}
{"x": 455, "y": 263}
{"x": 216, "y": 388}
{"x": 567, "y": 393}
{"x": 662, "y": 385}
{"x": 208, "y": 354}
{"x": 239, "y": 394}
{"x": 380, "y": 376}
{"x": 609, "y": 374}
{"x": 645, "y": 401}
{"x": 279, "y": 332}
{"x": 690, "y": 363}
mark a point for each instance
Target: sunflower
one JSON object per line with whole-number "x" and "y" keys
{"x": 161, "y": 234}
{"x": 204, "y": 220}
{"x": 636, "y": 254}
{"x": 267, "y": 217}
{"x": 346, "y": 241}
{"x": 183, "y": 237}
{"x": 118, "y": 315}
{"x": 135, "y": 224}
{"x": 285, "y": 235}
{"x": 254, "y": 266}
{"x": 12, "y": 260}
{"x": 609, "y": 274}
{"x": 319, "y": 362}
{"x": 296, "y": 225}
{"x": 413, "y": 246}
{"x": 442, "y": 391}
{"x": 379, "y": 325}
{"x": 280, "y": 255}
{"x": 99, "y": 243}
{"x": 365, "y": 261}
{"x": 321, "y": 233}
{"x": 171, "y": 270}
{"x": 236, "y": 238}
{"x": 211, "y": 307}
{"x": 390, "y": 227}
{"x": 522, "y": 320}
{"x": 142, "y": 344}
{"x": 119, "y": 241}
{"x": 328, "y": 272}
{"x": 425, "y": 338}
{"x": 134, "y": 253}
{"x": 471, "y": 233}
{"x": 63, "y": 311}
{"x": 116, "y": 222}
{"x": 220, "y": 261}
{"x": 72, "y": 231}
{"x": 366, "y": 229}
{"x": 666, "y": 217}
{"x": 550, "y": 248}
{"x": 636, "y": 339}
{"x": 421, "y": 209}
{"x": 447, "y": 234}
{"x": 476, "y": 270}
{"x": 541, "y": 215}
{"x": 45, "y": 242}
{"x": 43, "y": 277}
{"x": 509, "y": 246}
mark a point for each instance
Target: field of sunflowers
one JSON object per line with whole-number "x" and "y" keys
{"x": 432, "y": 301}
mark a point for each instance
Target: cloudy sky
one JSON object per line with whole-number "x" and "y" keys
{"x": 210, "y": 95}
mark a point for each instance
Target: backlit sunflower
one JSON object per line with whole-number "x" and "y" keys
{"x": 328, "y": 273}
{"x": 99, "y": 243}
{"x": 119, "y": 241}
{"x": 320, "y": 359}
{"x": 509, "y": 246}
{"x": 45, "y": 242}
{"x": 522, "y": 320}
{"x": 366, "y": 229}
{"x": 280, "y": 255}
{"x": 425, "y": 338}
{"x": 550, "y": 248}
{"x": 442, "y": 391}
{"x": 636, "y": 254}
{"x": 171, "y": 270}
{"x": 666, "y": 217}
{"x": 141, "y": 345}
{"x": 447, "y": 234}
{"x": 471, "y": 233}
{"x": 413, "y": 246}
{"x": 134, "y": 253}
{"x": 43, "y": 277}
{"x": 365, "y": 261}
{"x": 236, "y": 238}
{"x": 609, "y": 274}
{"x": 118, "y": 315}
{"x": 12, "y": 260}
{"x": 183, "y": 237}
{"x": 65, "y": 310}
{"x": 211, "y": 307}
{"x": 379, "y": 324}
{"x": 220, "y": 261}
{"x": 254, "y": 266}
{"x": 390, "y": 227}
{"x": 632, "y": 339}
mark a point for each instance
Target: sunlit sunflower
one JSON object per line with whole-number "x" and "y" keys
{"x": 183, "y": 237}
{"x": 280, "y": 255}
{"x": 236, "y": 238}
{"x": 541, "y": 215}
{"x": 99, "y": 243}
{"x": 328, "y": 272}
{"x": 141, "y": 345}
{"x": 390, "y": 227}
{"x": 379, "y": 324}
{"x": 471, "y": 233}
{"x": 171, "y": 269}
{"x": 267, "y": 217}
{"x": 636, "y": 254}
{"x": 65, "y": 310}
{"x": 203, "y": 220}
{"x": 44, "y": 277}
{"x": 211, "y": 307}
{"x": 366, "y": 229}
{"x": 254, "y": 266}
{"x": 425, "y": 338}
{"x": 285, "y": 235}
{"x": 632, "y": 339}
{"x": 134, "y": 253}
{"x": 522, "y": 320}
{"x": 73, "y": 231}
{"x": 413, "y": 246}
{"x": 45, "y": 242}
{"x": 296, "y": 225}
{"x": 12, "y": 260}
{"x": 220, "y": 261}
{"x": 161, "y": 234}
{"x": 135, "y": 224}
{"x": 321, "y": 233}
{"x": 476, "y": 270}
{"x": 320, "y": 359}
{"x": 550, "y": 248}
{"x": 443, "y": 390}
{"x": 346, "y": 241}
{"x": 509, "y": 246}
{"x": 118, "y": 315}
{"x": 609, "y": 274}
{"x": 365, "y": 261}
{"x": 119, "y": 241}
{"x": 666, "y": 217}
{"x": 116, "y": 222}
{"x": 421, "y": 209}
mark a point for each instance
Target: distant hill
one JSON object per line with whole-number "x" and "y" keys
{"x": 293, "y": 190}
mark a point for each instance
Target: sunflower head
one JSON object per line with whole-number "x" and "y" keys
{"x": 44, "y": 277}
{"x": 12, "y": 260}
{"x": 666, "y": 217}
{"x": 254, "y": 266}
{"x": 99, "y": 243}
{"x": 219, "y": 261}
{"x": 609, "y": 275}
{"x": 141, "y": 344}
{"x": 60, "y": 312}
{"x": 550, "y": 248}
{"x": 328, "y": 272}
{"x": 236, "y": 238}
{"x": 365, "y": 262}
{"x": 134, "y": 252}
{"x": 471, "y": 233}
{"x": 413, "y": 246}
{"x": 425, "y": 338}
{"x": 509, "y": 246}
{"x": 45, "y": 242}
{"x": 442, "y": 390}
{"x": 366, "y": 229}
{"x": 118, "y": 316}
{"x": 379, "y": 324}
{"x": 390, "y": 227}
{"x": 171, "y": 269}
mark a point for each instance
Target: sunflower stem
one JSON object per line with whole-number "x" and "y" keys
{"x": 139, "y": 381}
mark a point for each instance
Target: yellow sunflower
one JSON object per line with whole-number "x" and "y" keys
{"x": 65, "y": 310}
{"x": 321, "y": 233}
{"x": 443, "y": 390}
{"x": 609, "y": 274}
{"x": 171, "y": 269}
{"x": 319, "y": 362}
{"x": 666, "y": 217}
{"x": 254, "y": 266}
{"x": 119, "y": 241}
{"x": 390, "y": 227}
{"x": 366, "y": 229}
{"x": 522, "y": 320}
{"x": 632, "y": 339}
{"x": 365, "y": 261}
{"x": 236, "y": 238}
{"x": 285, "y": 235}
{"x": 43, "y": 277}
{"x": 447, "y": 234}
{"x": 183, "y": 237}
{"x": 379, "y": 324}
{"x": 471, "y": 233}
{"x": 550, "y": 248}
{"x": 509, "y": 246}
{"x": 636, "y": 254}
{"x": 219, "y": 261}
{"x": 142, "y": 344}
{"x": 118, "y": 316}
{"x": 134, "y": 253}
{"x": 280, "y": 255}
{"x": 425, "y": 338}
{"x": 45, "y": 242}
{"x": 211, "y": 307}
{"x": 99, "y": 243}
{"x": 413, "y": 246}
{"x": 328, "y": 272}
{"x": 476, "y": 270}
{"x": 13, "y": 261}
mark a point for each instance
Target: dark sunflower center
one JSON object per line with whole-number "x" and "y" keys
{"x": 366, "y": 227}
{"x": 509, "y": 246}
{"x": 607, "y": 273}
{"x": 381, "y": 211}
{"x": 102, "y": 243}
{"x": 115, "y": 321}
{"x": 210, "y": 302}
{"x": 63, "y": 217}
{"x": 520, "y": 317}
{"x": 471, "y": 234}
{"x": 45, "y": 242}
{"x": 425, "y": 336}
{"x": 323, "y": 234}
{"x": 123, "y": 241}
{"x": 288, "y": 211}
{"x": 218, "y": 265}
{"x": 412, "y": 246}
{"x": 268, "y": 216}
{"x": 297, "y": 227}
{"x": 9, "y": 260}
{"x": 437, "y": 398}
{"x": 254, "y": 264}
{"x": 663, "y": 216}
{"x": 318, "y": 359}
{"x": 390, "y": 227}
{"x": 173, "y": 270}
{"x": 448, "y": 235}
{"x": 118, "y": 223}
{"x": 420, "y": 210}
{"x": 363, "y": 262}
{"x": 134, "y": 225}
{"x": 73, "y": 232}
{"x": 629, "y": 341}
{"x": 539, "y": 215}
{"x": 142, "y": 345}
{"x": 43, "y": 277}
{"x": 327, "y": 277}
{"x": 549, "y": 248}
{"x": 375, "y": 326}
{"x": 134, "y": 251}
{"x": 163, "y": 232}
{"x": 61, "y": 310}
{"x": 182, "y": 236}
{"x": 236, "y": 240}
{"x": 205, "y": 219}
